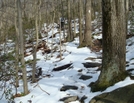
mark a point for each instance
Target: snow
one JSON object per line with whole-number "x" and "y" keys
{"x": 52, "y": 84}
{"x": 89, "y": 11}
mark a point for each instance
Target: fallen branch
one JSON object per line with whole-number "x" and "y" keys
{"x": 41, "y": 88}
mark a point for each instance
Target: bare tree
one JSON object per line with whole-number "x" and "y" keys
{"x": 16, "y": 47}
{"x": 19, "y": 13}
{"x": 37, "y": 6}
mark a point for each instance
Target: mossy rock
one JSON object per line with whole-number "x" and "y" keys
{"x": 104, "y": 84}
{"x": 120, "y": 95}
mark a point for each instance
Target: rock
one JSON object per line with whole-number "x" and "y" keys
{"x": 85, "y": 77}
{"x": 131, "y": 73}
{"x": 91, "y": 58}
{"x": 130, "y": 70}
{"x": 62, "y": 67}
{"x": 90, "y": 64}
{"x": 67, "y": 87}
{"x": 120, "y": 95}
{"x": 99, "y": 57}
{"x": 69, "y": 99}
{"x": 80, "y": 70}
{"x": 132, "y": 77}
{"x": 82, "y": 99}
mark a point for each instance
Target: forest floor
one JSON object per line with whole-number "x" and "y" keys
{"x": 67, "y": 79}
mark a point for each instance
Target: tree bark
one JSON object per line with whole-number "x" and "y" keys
{"x": 74, "y": 17}
{"x": 114, "y": 45}
{"x": 37, "y": 39}
{"x": 53, "y": 17}
{"x": 127, "y": 13}
{"x": 16, "y": 48}
{"x": 88, "y": 35}
{"x": 19, "y": 12}
{"x": 69, "y": 36}
{"x": 80, "y": 24}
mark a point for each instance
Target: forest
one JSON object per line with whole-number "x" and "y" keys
{"x": 66, "y": 51}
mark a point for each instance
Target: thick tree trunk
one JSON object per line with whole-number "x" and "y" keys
{"x": 114, "y": 44}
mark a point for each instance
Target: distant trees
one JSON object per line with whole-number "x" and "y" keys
{"x": 84, "y": 11}
{"x": 24, "y": 17}
{"x": 114, "y": 44}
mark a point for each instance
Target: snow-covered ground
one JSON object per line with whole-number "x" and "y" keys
{"x": 47, "y": 90}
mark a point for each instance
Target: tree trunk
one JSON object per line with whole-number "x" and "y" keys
{"x": 93, "y": 10}
{"x": 62, "y": 13}
{"x": 37, "y": 37}
{"x": 114, "y": 45}
{"x": 60, "y": 44}
{"x": 74, "y": 17}
{"x": 88, "y": 36}
{"x": 80, "y": 24}
{"x": 25, "y": 86}
{"x": 69, "y": 36}
{"x": 16, "y": 48}
{"x": 127, "y": 13}
{"x": 53, "y": 17}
